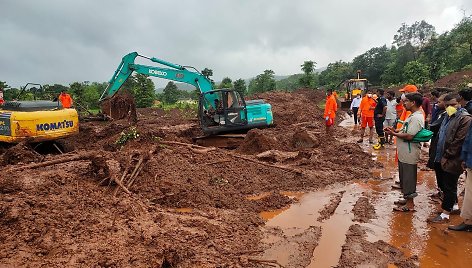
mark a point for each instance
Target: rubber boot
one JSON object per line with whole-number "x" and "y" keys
{"x": 379, "y": 145}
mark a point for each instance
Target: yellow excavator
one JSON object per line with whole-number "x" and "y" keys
{"x": 36, "y": 120}
{"x": 352, "y": 87}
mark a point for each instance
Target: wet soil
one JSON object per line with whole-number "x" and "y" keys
{"x": 191, "y": 206}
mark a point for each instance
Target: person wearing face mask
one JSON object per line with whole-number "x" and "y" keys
{"x": 447, "y": 161}
{"x": 366, "y": 112}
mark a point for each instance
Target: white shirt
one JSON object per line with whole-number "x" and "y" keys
{"x": 391, "y": 111}
{"x": 356, "y": 102}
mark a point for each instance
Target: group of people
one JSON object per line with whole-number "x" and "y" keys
{"x": 445, "y": 118}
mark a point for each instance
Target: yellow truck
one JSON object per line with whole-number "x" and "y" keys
{"x": 36, "y": 121}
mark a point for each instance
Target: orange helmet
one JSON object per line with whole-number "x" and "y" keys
{"x": 409, "y": 89}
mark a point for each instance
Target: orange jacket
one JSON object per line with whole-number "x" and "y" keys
{"x": 66, "y": 100}
{"x": 405, "y": 115}
{"x": 331, "y": 107}
{"x": 367, "y": 106}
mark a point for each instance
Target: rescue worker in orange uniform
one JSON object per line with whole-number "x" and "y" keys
{"x": 366, "y": 113}
{"x": 65, "y": 99}
{"x": 404, "y": 115}
{"x": 330, "y": 111}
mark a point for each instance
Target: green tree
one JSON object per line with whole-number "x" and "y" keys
{"x": 240, "y": 86}
{"x": 416, "y": 34}
{"x": 400, "y": 57}
{"x": 308, "y": 68}
{"x": 78, "y": 92}
{"x": 171, "y": 93}
{"x": 335, "y": 73}
{"x": 262, "y": 83}
{"x": 208, "y": 73}
{"x": 144, "y": 91}
{"x": 226, "y": 83}
{"x": 373, "y": 63}
{"x": 416, "y": 72}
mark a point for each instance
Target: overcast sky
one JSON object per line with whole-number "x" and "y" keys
{"x": 63, "y": 41}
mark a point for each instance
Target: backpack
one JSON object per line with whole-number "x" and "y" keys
{"x": 424, "y": 135}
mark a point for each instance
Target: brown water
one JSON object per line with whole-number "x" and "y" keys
{"x": 434, "y": 245}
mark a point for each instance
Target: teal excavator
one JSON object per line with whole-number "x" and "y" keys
{"x": 219, "y": 111}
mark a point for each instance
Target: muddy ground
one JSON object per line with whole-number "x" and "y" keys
{"x": 187, "y": 206}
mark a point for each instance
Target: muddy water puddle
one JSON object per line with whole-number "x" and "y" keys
{"x": 433, "y": 245}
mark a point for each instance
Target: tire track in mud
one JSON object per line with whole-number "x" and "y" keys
{"x": 329, "y": 209}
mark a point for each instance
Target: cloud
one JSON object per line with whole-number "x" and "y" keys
{"x": 54, "y": 41}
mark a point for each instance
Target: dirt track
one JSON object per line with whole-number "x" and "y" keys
{"x": 188, "y": 206}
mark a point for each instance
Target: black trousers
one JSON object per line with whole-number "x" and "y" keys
{"x": 354, "y": 111}
{"x": 449, "y": 186}
{"x": 379, "y": 128}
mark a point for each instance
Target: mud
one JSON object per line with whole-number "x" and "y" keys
{"x": 187, "y": 207}
{"x": 120, "y": 106}
{"x": 357, "y": 252}
{"x": 363, "y": 210}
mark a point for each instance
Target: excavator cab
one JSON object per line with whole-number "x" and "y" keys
{"x": 353, "y": 87}
{"x": 35, "y": 120}
{"x": 222, "y": 110}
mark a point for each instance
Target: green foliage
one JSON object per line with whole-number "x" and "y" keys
{"x": 416, "y": 34}
{"x": 416, "y": 72}
{"x": 170, "y": 94}
{"x": 207, "y": 73}
{"x": 292, "y": 82}
{"x": 308, "y": 79}
{"x": 262, "y": 83}
{"x": 336, "y": 73}
{"x": 144, "y": 91}
{"x": 240, "y": 86}
{"x": 226, "y": 83}
{"x": 126, "y": 135}
{"x": 373, "y": 63}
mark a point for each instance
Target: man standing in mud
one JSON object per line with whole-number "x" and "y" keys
{"x": 355, "y": 107}
{"x": 330, "y": 111}
{"x": 466, "y": 212}
{"x": 447, "y": 161}
{"x": 379, "y": 118}
{"x": 366, "y": 113}
{"x": 408, "y": 152}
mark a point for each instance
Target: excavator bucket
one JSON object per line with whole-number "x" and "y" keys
{"x": 120, "y": 106}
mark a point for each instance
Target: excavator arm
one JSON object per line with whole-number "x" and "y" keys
{"x": 175, "y": 72}
{"x": 222, "y": 110}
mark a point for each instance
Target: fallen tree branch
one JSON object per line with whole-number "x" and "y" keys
{"x": 187, "y": 144}
{"x": 86, "y": 156}
{"x": 218, "y": 162}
